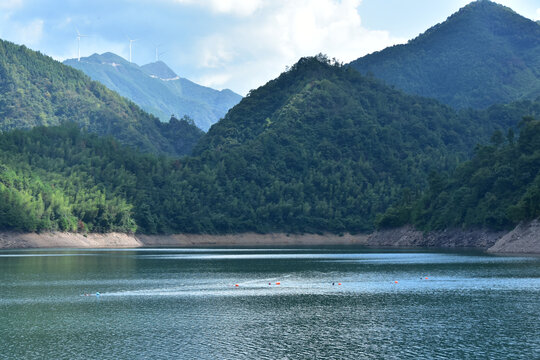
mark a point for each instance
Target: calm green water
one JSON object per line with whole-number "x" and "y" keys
{"x": 183, "y": 304}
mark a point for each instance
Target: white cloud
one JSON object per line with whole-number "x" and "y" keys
{"x": 538, "y": 14}
{"x": 238, "y": 7}
{"x": 7, "y": 5}
{"x": 215, "y": 51}
{"x": 214, "y": 80}
{"x": 258, "y": 48}
{"x": 29, "y": 33}
{"x": 234, "y": 7}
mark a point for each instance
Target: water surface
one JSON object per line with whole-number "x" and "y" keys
{"x": 226, "y": 304}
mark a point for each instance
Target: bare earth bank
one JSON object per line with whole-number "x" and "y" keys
{"x": 524, "y": 239}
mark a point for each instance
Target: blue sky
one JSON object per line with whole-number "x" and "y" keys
{"x": 236, "y": 44}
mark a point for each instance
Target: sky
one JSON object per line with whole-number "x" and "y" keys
{"x": 235, "y": 44}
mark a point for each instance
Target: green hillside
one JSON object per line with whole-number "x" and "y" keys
{"x": 157, "y": 89}
{"x": 321, "y": 148}
{"x": 48, "y": 181}
{"x": 497, "y": 188}
{"x": 482, "y": 55}
{"x": 324, "y": 148}
{"x": 37, "y": 90}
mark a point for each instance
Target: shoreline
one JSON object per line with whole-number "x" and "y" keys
{"x": 524, "y": 239}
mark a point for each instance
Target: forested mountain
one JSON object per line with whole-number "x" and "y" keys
{"x": 329, "y": 148}
{"x": 321, "y": 148}
{"x": 482, "y": 55}
{"x": 157, "y": 89}
{"x": 499, "y": 187}
{"x": 37, "y": 90}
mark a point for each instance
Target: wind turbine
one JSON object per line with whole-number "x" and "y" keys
{"x": 79, "y": 36}
{"x": 131, "y": 41}
{"x": 158, "y": 54}
{"x": 161, "y": 53}
{"x": 156, "y": 46}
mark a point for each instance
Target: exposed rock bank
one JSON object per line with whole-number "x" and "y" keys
{"x": 524, "y": 239}
{"x": 251, "y": 239}
{"x": 10, "y": 240}
{"x": 118, "y": 240}
{"x": 454, "y": 238}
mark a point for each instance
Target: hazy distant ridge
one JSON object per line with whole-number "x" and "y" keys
{"x": 157, "y": 89}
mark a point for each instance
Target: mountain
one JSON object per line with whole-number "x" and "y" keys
{"x": 157, "y": 89}
{"x": 482, "y": 55}
{"x": 319, "y": 149}
{"x": 324, "y": 148}
{"x": 37, "y": 90}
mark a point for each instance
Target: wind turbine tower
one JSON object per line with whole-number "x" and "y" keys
{"x": 156, "y": 46}
{"x": 79, "y": 36}
{"x": 131, "y": 41}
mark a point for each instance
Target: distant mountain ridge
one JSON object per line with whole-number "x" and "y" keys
{"x": 158, "y": 89}
{"x": 482, "y": 55}
{"x": 36, "y": 90}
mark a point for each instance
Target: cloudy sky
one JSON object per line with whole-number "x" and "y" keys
{"x": 236, "y": 44}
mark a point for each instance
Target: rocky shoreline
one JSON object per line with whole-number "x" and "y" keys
{"x": 524, "y": 239}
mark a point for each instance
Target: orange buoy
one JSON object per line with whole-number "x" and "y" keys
{"x": 426, "y": 278}
{"x": 395, "y": 282}
{"x": 339, "y": 283}
{"x": 236, "y": 285}
{"x": 278, "y": 283}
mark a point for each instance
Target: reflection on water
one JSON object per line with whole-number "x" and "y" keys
{"x": 268, "y": 304}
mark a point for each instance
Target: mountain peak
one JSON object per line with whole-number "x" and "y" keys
{"x": 160, "y": 70}
{"x": 105, "y": 58}
{"x": 483, "y": 8}
{"x": 483, "y": 54}
{"x": 479, "y": 19}
{"x": 485, "y": 4}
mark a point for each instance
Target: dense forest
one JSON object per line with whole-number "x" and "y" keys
{"x": 496, "y": 189}
{"x": 37, "y": 90}
{"x": 321, "y": 148}
{"x": 482, "y": 55}
{"x": 144, "y": 86}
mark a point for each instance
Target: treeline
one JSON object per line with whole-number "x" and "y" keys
{"x": 497, "y": 188}
{"x": 59, "y": 178}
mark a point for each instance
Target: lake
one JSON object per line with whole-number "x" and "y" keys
{"x": 307, "y": 303}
